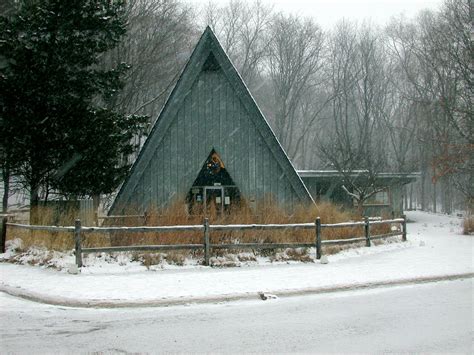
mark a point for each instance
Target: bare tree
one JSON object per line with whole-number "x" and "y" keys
{"x": 353, "y": 141}
{"x": 448, "y": 50}
{"x": 295, "y": 59}
{"x": 242, "y": 27}
{"x": 400, "y": 116}
{"x": 158, "y": 42}
{"x": 436, "y": 54}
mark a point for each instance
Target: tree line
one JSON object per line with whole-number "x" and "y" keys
{"x": 358, "y": 96}
{"x": 393, "y": 98}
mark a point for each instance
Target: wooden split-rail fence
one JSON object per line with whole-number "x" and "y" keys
{"x": 78, "y": 230}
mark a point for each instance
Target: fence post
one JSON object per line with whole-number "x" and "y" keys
{"x": 404, "y": 228}
{"x": 367, "y": 231}
{"x": 318, "y": 238}
{"x": 77, "y": 242}
{"x": 206, "y": 241}
{"x": 3, "y": 234}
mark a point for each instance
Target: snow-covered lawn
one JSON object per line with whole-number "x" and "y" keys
{"x": 435, "y": 247}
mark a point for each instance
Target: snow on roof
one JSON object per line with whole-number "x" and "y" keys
{"x": 335, "y": 173}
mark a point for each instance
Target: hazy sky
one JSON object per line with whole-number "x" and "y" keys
{"x": 327, "y": 12}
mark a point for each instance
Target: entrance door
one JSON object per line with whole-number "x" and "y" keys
{"x": 212, "y": 187}
{"x": 214, "y": 195}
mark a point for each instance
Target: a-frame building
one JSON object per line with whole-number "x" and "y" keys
{"x": 210, "y": 143}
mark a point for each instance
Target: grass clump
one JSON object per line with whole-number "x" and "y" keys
{"x": 468, "y": 225}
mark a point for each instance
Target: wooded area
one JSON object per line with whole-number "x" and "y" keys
{"x": 356, "y": 97}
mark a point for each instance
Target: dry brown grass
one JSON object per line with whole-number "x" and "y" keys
{"x": 51, "y": 240}
{"x": 177, "y": 214}
{"x": 268, "y": 213}
{"x": 468, "y": 225}
{"x": 60, "y": 241}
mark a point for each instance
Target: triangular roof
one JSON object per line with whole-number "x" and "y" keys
{"x": 209, "y": 52}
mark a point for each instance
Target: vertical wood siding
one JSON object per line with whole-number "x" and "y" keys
{"x": 211, "y": 117}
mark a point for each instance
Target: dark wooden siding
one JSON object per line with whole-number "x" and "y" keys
{"x": 211, "y": 116}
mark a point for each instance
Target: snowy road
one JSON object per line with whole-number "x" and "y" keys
{"x": 436, "y": 317}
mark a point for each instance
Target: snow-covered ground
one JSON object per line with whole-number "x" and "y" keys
{"x": 435, "y": 248}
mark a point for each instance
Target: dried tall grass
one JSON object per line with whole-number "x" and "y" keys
{"x": 57, "y": 240}
{"x": 267, "y": 213}
{"x": 468, "y": 225}
{"x": 177, "y": 214}
{"x": 51, "y": 240}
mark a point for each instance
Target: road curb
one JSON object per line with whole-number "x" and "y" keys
{"x": 166, "y": 302}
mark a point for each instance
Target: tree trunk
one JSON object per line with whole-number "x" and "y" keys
{"x": 445, "y": 195}
{"x": 449, "y": 196}
{"x": 360, "y": 207}
{"x": 34, "y": 205}
{"x": 6, "y": 188}
{"x": 405, "y": 198}
{"x": 96, "y": 203}
{"x": 422, "y": 197}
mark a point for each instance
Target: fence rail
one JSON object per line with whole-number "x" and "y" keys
{"x": 157, "y": 229}
{"x": 78, "y": 231}
{"x": 230, "y": 227}
{"x": 42, "y": 228}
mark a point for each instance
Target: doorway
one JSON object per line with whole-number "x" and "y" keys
{"x": 212, "y": 187}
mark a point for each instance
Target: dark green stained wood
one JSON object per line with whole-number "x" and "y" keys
{"x": 234, "y": 117}
{"x": 167, "y": 166}
{"x": 266, "y": 172}
{"x": 259, "y": 167}
{"x": 180, "y": 136}
{"x": 161, "y": 171}
{"x": 216, "y": 112}
{"x": 201, "y": 113}
{"x": 281, "y": 185}
{"x": 194, "y": 97}
{"x": 252, "y": 162}
{"x": 207, "y": 110}
{"x": 224, "y": 126}
{"x": 148, "y": 176}
{"x": 244, "y": 153}
{"x": 275, "y": 178}
{"x": 174, "y": 158}
{"x": 206, "y": 119}
{"x": 222, "y": 95}
{"x": 155, "y": 174}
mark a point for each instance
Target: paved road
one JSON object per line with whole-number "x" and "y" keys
{"x": 435, "y": 317}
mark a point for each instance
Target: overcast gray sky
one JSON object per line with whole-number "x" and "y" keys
{"x": 328, "y": 12}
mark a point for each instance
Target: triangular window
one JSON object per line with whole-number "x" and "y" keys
{"x": 211, "y": 63}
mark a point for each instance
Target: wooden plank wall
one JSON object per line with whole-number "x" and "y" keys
{"x": 211, "y": 116}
